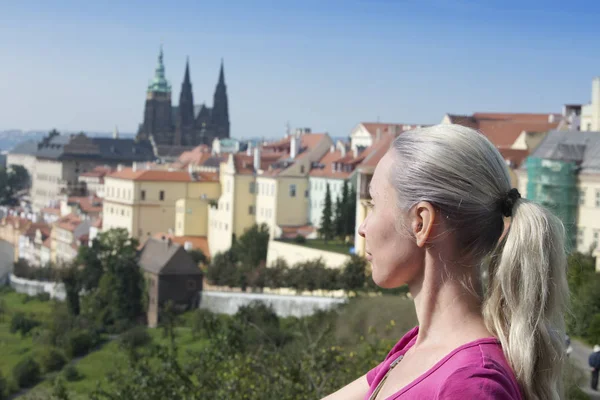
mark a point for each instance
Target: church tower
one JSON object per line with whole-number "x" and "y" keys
{"x": 184, "y": 130}
{"x": 158, "y": 121}
{"x": 220, "y": 109}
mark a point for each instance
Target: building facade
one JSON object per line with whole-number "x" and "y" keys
{"x": 144, "y": 202}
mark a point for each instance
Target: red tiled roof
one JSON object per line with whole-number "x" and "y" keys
{"x": 244, "y": 164}
{"x": 374, "y": 153}
{"x": 43, "y": 227}
{"x": 97, "y": 223}
{"x": 161, "y": 175}
{"x": 98, "y": 172}
{"x": 68, "y": 222}
{"x": 516, "y": 156}
{"x": 328, "y": 160}
{"x": 197, "y": 156}
{"x": 503, "y": 129}
{"x": 48, "y": 242}
{"x": 198, "y": 242}
{"x": 50, "y": 210}
{"x": 16, "y": 222}
{"x": 290, "y": 232}
{"x": 87, "y": 204}
{"x": 386, "y": 128}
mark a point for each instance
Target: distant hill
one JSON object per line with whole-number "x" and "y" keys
{"x": 10, "y": 138}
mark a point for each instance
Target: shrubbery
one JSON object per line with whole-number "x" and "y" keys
{"x": 22, "y": 324}
{"x": 51, "y": 359}
{"x": 79, "y": 342}
{"x": 71, "y": 373}
{"x": 26, "y": 373}
{"x": 134, "y": 338}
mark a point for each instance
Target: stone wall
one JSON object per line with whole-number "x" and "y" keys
{"x": 283, "y": 305}
{"x": 295, "y": 253}
{"x": 6, "y": 261}
{"x": 32, "y": 288}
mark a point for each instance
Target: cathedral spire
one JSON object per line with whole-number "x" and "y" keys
{"x": 220, "y": 110}
{"x": 221, "y": 75}
{"x": 159, "y": 83}
{"x": 186, "y": 77}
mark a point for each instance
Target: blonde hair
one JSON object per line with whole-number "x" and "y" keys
{"x": 461, "y": 173}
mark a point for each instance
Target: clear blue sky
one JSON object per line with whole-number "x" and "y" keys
{"x": 85, "y": 65}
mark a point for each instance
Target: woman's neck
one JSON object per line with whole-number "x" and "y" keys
{"x": 447, "y": 304}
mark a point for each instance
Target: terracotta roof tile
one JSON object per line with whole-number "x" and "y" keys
{"x": 386, "y": 128}
{"x": 198, "y": 242}
{"x": 43, "y": 227}
{"x": 98, "y": 172}
{"x": 154, "y": 175}
{"x": 515, "y": 156}
{"x": 290, "y": 232}
{"x": 50, "y": 210}
{"x": 87, "y": 204}
{"x": 68, "y": 222}
{"x": 503, "y": 129}
{"x": 48, "y": 242}
{"x": 331, "y": 157}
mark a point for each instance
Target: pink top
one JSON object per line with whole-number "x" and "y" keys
{"x": 476, "y": 370}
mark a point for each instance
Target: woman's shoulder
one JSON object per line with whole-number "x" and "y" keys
{"x": 477, "y": 370}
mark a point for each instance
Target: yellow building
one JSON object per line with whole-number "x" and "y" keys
{"x": 235, "y": 211}
{"x": 282, "y": 198}
{"x": 11, "y": 229}
{"x": 145, "y": 201}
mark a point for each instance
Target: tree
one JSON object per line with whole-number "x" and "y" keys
{"x": 338, "y": 217}
{"x": 353, "y": 276}
{"x": 18, "y": 177}
{"x": 118, "y": 295}
{"x": 71, "y": 278}
{"x": 251, "y": 247}
{"x": 350, "y": 217}
{"x": 327, "y": 229}
{"x": 198, "y": 256}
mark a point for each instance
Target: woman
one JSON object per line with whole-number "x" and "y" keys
{"x": 441, "y": 198}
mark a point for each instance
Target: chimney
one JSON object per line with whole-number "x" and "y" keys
{"x": 116, "y": 133}
{"x": 134, "y": 166}
{"x": 342, "y": 147}
{"x": 249, "y": 150}
{"x": 294, "y": 146}
{"x": 120, "y": 167}
{"x": 190, "y": 168}
{"x": 595, "y": 104}
{"x": 378, "y": 134}
{"x": 256, "y": 158}
{"x": 551, "y": 118}
{"x": 332, "y": 148}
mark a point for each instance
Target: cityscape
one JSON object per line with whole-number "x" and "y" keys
{"x": 195, "y": 242}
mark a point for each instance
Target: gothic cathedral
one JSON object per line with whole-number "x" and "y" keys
{"x": 186, "y": 124}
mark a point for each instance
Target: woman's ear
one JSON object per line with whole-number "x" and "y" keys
{"x": 423, "y": 221}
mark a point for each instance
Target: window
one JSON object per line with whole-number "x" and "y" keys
{"x": 252, "y": 184}
{"x": 226, "y": 206}
{"x": 306, "y": 193}
{"x": 292, "y": 190}
{"x": 596, "y": 237}
{"x": 251, "y": 210}
{"x": 162, "y": 195}
{"x": 302, "y": 169}
{"x": 582, "y": 196}
{"x": 118, "y": 192}
{"x": 228, "y": 186}
{"x": 597, "y": 198}
{"x": 580, "y": 236}
{"x": 143, "y": 195}
{"x": 122, "y": 212}
{"x": 273, "y": 189}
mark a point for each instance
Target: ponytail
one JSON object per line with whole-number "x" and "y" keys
{"x": 526, "y": 299}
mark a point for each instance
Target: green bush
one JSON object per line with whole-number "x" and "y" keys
{"x": 51, "y": 359}
{"x": 26, "y": 373}
{"x": 22, "y": 324}
{"x": 71, "y": 373}
{"x": 300, "y": 239}
{"x": 78, "y": 343}
{"x": 206, "y": 322}
{"x": 44, "y": 296}
{"x": 135, "y": 337}
{"x": 4, "y": 389}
